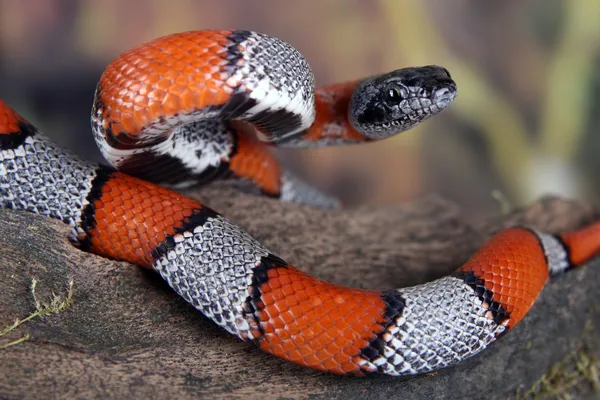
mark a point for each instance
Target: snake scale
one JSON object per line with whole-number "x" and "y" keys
{"x": 198, "y": 106}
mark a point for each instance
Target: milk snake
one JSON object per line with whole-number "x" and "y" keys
{"x": 198, "y": 106}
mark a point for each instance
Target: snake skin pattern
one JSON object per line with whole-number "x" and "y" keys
{"x": 45, "y": 172}
{"x": 145, "y": 115}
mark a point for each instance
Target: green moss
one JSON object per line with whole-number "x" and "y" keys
{"x": 577, "y": 372}
{"x": 55, "y": 305}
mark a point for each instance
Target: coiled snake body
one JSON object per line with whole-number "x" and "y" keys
{"x": 199, "y": 106}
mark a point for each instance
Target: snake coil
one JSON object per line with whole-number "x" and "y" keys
{"x": 199, "y": 106}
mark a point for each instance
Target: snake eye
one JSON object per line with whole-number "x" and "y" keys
{"x": 394, "y": 94}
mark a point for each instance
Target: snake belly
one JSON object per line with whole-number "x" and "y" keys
{"x": 170, "y": 111}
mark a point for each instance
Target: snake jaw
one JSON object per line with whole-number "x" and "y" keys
{"x": 385, "y": 105}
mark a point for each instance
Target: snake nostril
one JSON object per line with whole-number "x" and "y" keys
{"x": 441, "y": 92}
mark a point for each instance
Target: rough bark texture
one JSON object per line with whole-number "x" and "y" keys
{"x": 126, "y": 334}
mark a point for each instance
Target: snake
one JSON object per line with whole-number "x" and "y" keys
{"x": 195, "y": 107}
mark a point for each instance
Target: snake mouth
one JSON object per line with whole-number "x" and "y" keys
{"x": 443, "y": 97}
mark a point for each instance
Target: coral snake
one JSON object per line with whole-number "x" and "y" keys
{"x": 198, "y": 106}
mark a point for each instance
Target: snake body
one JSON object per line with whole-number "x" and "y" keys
{"x": 199, "y": 106}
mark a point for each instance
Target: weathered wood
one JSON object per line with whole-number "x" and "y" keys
{"x": 126, "y": 334}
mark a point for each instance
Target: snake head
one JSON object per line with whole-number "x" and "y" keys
{"x": 384, "y": 105}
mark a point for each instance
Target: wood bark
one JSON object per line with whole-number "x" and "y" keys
{"x": 126, "y": 334}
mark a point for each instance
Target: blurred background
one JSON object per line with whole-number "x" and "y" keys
{"x": 526, "y": 121}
